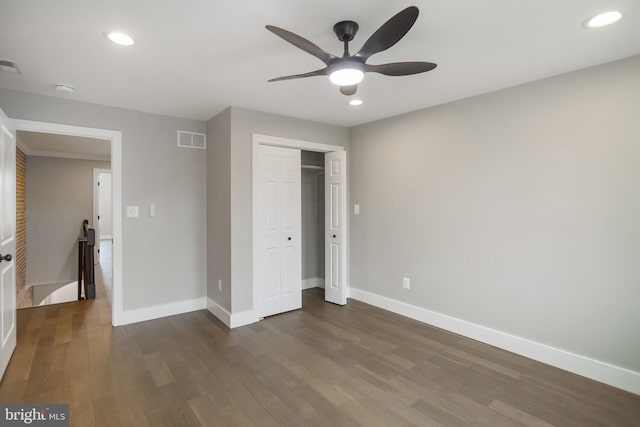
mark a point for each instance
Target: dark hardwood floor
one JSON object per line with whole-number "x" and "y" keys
{"x": 321, "y": 366}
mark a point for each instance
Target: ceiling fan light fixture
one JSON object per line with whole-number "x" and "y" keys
{"x": 348, "y": 73}
{"x": 603, "y": 19}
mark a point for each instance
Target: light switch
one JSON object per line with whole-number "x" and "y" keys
{"x": 356, "y": 209}
{"x": 132, "y": 212}
{"x": 152, "y": 210}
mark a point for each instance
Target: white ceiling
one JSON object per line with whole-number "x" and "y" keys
{"x": 193, "y": 58}
{"x": 74, "y": 147}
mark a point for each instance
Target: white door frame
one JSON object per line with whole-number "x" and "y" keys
{"x": 257, "y": 140}
{"x": 96, "y": 209}
{"x": 115, "y": 137}
{"x": 8, "y": 320}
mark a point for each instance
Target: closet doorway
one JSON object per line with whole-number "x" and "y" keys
{"x": 284, "y": 240}
{"x": 312, "y": 195}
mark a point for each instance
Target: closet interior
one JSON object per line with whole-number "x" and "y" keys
{"x": 312, "y": 219}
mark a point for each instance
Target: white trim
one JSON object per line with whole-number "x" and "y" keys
{"x": 256, "y": 140}
{"x": 115, "y": 137}
{"x": 95, "y": 222}
{"x": 61, "y": 283}
{"x": 163, "y": 310}
{"x": 243, "y": 318}
{"x": 58, "y": 154}
{"x": 313, "y": 282}
{"x": 219, "y": 311}
{"x": 294, "y": 143}
{"x": 616, "y": 376}
{"x": 9, "y": 266}
{"x": 231, "y": 320}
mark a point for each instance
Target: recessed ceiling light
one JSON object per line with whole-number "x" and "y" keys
{"x": 355, "y": 102}
{"x": 603, "y": 19}
{"x": 65, "y": 88}
{"x": 121, "y": 38}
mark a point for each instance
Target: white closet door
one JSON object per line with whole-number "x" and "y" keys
{"x": 280, "y": 250}
{"x": 335, "y": 196}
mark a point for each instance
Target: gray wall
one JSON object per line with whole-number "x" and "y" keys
{"x": 163, "y": 257}
{"x": 244, "y": 123}
{"x": 517, "y": 210}
{"x": 59, "y": 197}
{"x": 219, "y": 208}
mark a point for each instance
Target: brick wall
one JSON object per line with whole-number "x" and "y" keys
{"x": 24, "y": 295}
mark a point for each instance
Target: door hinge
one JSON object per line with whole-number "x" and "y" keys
{"x": 98, "y": 216}
{"x": 98, "y": 183}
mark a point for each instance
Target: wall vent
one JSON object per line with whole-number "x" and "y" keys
{"x": 9, "y": 66}
{"x": 192, "y": 140}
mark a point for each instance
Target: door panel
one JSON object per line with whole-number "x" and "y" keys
{"x": 291, "y": 181}
{"x": 7, "y": 241}
{"x": 8, "y": 295}
{"x": 273, "y": 274}
{"x": 335, "y": 227}
{"x": 279, "y": 258}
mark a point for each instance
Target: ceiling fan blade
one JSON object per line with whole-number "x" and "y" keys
{"x": 302, "y": 43}
{"x": 400, "y": 68}
{"x": 348, "y": 90}
{"x": 389, "y": 33}
{"x": 322, "y": 72}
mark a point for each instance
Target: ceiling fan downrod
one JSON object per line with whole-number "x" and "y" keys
{"x": 346, "y": 31}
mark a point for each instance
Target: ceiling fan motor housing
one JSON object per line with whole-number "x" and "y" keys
{"x": 345, "y": 30}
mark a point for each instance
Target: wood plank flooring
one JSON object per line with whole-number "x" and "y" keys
{"x": 321, "y": 366}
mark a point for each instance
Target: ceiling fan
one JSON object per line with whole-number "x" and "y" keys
{"x": 347, "y": 71}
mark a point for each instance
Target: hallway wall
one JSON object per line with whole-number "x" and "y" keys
{"x": 59, "y": 197}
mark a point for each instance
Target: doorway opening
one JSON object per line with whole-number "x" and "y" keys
{"x": 313, "y": 236}
{"x": 278, "y": 229}
{"x": 115, "y": 154}
{"x": 55, "y": 186}
{"x": 103, "y": 224}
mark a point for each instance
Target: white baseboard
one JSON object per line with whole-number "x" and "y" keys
{"x": 234, "y": 320}
{"x": 219, "y": 311}
{"x": 313, "y": 282}
{"x": 615, "y": 376}
{"x": 158, "y": 311}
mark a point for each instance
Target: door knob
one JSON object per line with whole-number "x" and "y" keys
{"x": 288, "y": 238}
{"x": 6, "y": 257}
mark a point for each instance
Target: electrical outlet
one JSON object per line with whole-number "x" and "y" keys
{"x": 406, "y": 283}
{"x": 220, "y": 285}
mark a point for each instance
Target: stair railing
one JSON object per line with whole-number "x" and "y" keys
{"x": 86, "y": 271}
